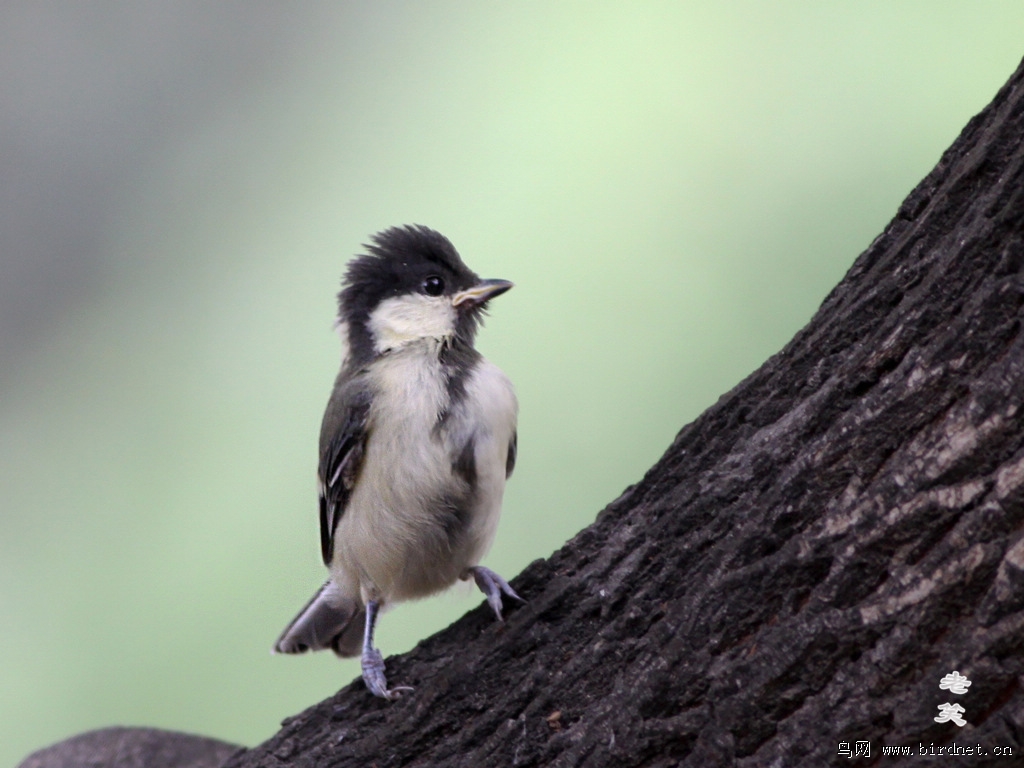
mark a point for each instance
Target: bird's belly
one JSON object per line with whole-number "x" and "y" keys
{"x": 413, "y": 524}
{"x": 405, "y": 540}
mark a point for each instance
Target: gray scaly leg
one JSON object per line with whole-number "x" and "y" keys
{"x": 373, "y": 662}
{"x": 492, "y": 585}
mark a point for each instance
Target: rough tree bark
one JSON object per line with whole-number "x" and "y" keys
{"x": 806, "y": 562}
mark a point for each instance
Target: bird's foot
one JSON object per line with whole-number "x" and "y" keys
{"x": 373, "y": 676}
{"x": 492, "y": 585}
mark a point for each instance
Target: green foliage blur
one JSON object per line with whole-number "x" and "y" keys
{"x": 673, "y": 187}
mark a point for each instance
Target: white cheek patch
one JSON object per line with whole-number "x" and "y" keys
{"x": 404, "y": 319}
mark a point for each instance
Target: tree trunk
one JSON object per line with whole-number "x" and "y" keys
{"x": 805, "y": 563}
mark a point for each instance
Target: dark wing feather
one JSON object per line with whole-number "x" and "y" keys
{"x": 510, "y": 457}
{"x": 342, "y": 445}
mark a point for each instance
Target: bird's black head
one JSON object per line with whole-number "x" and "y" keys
{"x": 410, "y": 284}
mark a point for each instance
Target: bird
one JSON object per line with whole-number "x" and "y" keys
{"x": 416, "y": 444}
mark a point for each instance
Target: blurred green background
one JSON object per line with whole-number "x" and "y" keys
{"x": 673, "y": 187}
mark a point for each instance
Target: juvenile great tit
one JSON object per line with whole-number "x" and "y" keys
{"x": 417, "y": 441}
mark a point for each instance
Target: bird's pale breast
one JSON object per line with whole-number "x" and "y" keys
{"x": 401, "y": 535}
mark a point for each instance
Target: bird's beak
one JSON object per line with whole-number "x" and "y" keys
{"x": 481, "y": 292}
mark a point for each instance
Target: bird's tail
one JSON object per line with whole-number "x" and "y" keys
{"x": 330, "y": 620}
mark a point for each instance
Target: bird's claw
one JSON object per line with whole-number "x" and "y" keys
{"x": 492, "y": 585}
{"x": 373, "y": 676}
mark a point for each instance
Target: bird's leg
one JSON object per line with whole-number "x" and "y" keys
{"x": 492, "y": 585}
{"x": 373, "y": 662}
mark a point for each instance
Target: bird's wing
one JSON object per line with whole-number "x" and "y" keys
{"x": 510, "y": 457}
{"x": 342, "y": 445}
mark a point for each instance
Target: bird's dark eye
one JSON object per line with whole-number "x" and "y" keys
{"x": 433, "y": 286}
